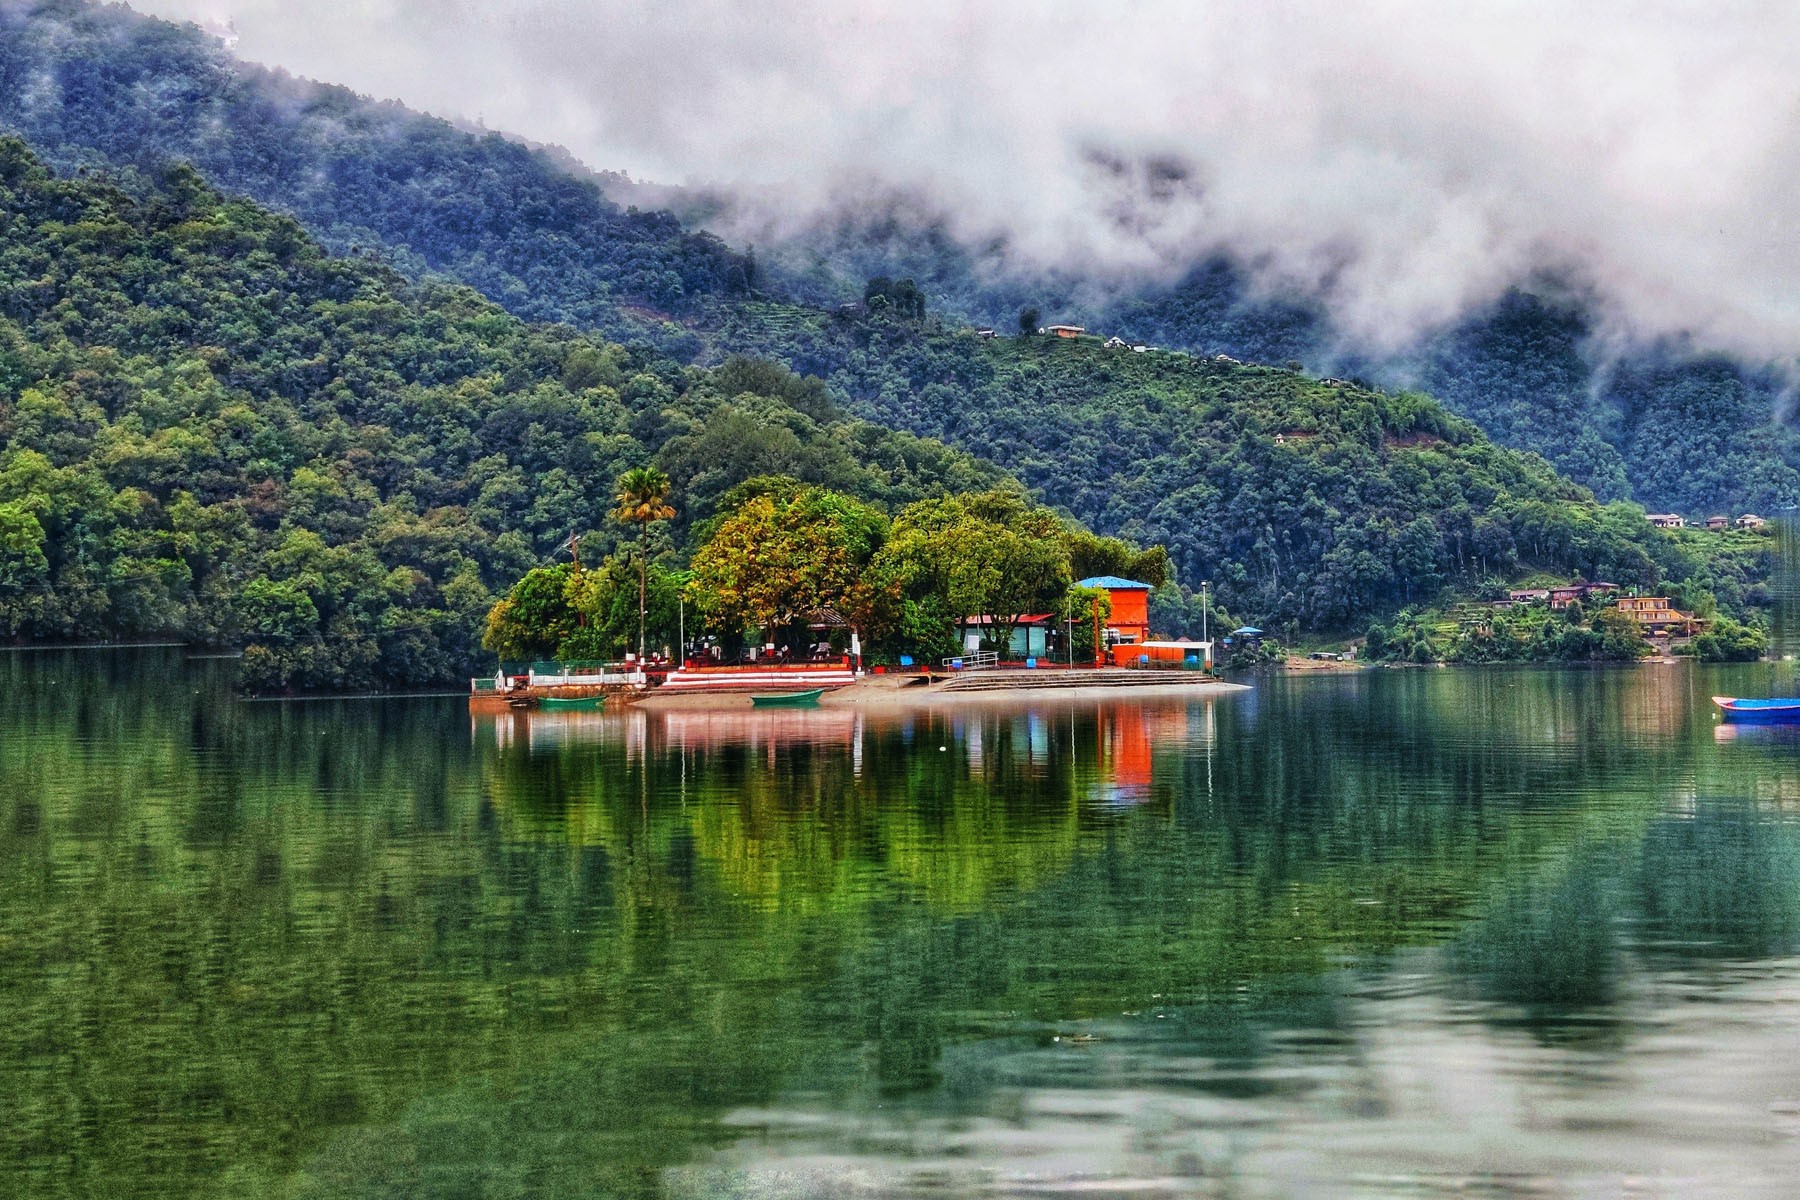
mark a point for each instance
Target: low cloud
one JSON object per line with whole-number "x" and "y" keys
{"x": 1399, "y": 162}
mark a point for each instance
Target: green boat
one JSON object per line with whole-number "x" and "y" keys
{"x": 788, "y": 699}
{"x": 572, "y": 703}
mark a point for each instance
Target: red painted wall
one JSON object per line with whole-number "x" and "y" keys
{"x": 1130, "y": 613}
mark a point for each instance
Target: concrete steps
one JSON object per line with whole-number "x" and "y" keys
{"x": 989, "y": 681}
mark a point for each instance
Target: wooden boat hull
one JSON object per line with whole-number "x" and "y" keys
{"x": 788, "y": 699}
{"x": 1779, "y": 708}
{"x": 572, "y": 703}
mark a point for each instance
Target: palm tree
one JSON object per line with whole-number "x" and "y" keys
{"x": 642, "y": 498}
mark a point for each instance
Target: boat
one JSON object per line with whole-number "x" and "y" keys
{"x": 788, "y": 699}
{"x": 519, "y": 703}
{"x": 572, "y": 703}
{"x": 1778, "y": 708}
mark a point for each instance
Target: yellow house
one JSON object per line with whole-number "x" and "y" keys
{"x": 1656, "y": 616}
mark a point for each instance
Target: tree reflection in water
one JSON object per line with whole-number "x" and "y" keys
{"x": 336, "y": 948}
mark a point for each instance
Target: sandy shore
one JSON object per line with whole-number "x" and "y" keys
{"x": 1295, "y": 662}
{"x": 895, "y": 692}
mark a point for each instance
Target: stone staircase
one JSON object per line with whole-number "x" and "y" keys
{"x": 1014, "y": 680}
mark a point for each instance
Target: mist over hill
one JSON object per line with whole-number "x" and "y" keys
{"x": 102, "y": 87}
{"x": 1547, "y": 357}
{"x": 1542, "y": 367}
{"x": 1547, "y": 365}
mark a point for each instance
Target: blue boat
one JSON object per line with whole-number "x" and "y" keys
{"x": 1779, "y": 708}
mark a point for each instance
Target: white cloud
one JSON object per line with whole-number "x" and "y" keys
{"x": 1399, "y": 160}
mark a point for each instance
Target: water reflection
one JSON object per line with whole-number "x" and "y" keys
{"x": 1508, "y": 932}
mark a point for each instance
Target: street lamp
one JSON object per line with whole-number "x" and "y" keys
{"x": 1204, "y": 636}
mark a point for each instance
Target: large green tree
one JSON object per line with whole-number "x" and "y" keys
{"x": 535, "y": 617}
{"x": 642, "y": 499}
{"x": 992, "y": 554}
{"x": 789, "y": 554}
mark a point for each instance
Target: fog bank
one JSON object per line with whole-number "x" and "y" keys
{"x": 1401, "y": 162}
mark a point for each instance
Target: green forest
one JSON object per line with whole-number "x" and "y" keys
{"x": 779, "y": 555}
{"x": 95, "y": 86}
{"x": 100, "y": 87}
{"x": 1308, "y": 504}
{"x": 213, "y": 430}
{"x": 338, "y": 437}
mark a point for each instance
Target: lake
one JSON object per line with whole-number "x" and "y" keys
{"x": 1394, "y": 933}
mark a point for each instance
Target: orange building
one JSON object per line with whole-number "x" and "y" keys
{"x": 1163, "y": 654}
{"x": 1130, "y": 620}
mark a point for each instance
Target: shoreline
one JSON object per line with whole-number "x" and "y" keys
{"x": 1300, "y": 665}
{"x": 892, "y": 693}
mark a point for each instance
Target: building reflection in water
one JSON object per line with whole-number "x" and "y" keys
{"x": 1108, "y": 750}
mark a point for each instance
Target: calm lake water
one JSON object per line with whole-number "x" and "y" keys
{"x": 1423, "y": 933}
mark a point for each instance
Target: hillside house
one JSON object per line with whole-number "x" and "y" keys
{"x": 985, "y": 334}
{"x": 1065, "y": 331}
{"x": 1666, "y": 520}
{"x": 1750, "y": 521}
{"x": 1528, "y": 595}
{"x": 1562, "y": 597}
{"x": 1115, "y": 343}
{"x": 1657, "y": 617}
{"x": 1130, "y": 620}
{"x": 1718, "y": 524}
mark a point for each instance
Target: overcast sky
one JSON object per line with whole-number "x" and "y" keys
{"x": 1400, "y": 160}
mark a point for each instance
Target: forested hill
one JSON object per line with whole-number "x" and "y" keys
{"x": 212, "y": 429}
{"x": 91, "y": 86}
{"x": 1308, "y": 503}
{"x": 101, "y": 86}
{"x": 1658, "y": 423}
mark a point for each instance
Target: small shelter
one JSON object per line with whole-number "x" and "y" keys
{"x": 1030, "y": 637}
{"x": 1562, "y": 597}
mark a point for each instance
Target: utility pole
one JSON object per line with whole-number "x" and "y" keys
{"x": 1098, "y": 657}
{"x": 681, "y": 627}
{"x": 1204, "y": 584}
{"x": 575, "y": 553}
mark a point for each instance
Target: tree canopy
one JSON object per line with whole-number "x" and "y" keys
{"x": 212, "y": 429}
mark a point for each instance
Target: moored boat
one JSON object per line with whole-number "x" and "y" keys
{"x": 1776, "y": 708}
{"x": 788, "y": 699}
{"x": 572, "y": 703}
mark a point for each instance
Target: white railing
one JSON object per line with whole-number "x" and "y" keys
{"x": 582, "y": 678}
{"x": 978, "y": 660}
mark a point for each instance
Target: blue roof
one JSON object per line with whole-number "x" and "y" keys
{"x": 1113, "y": 583}
{"x": 1248, "y": 631}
